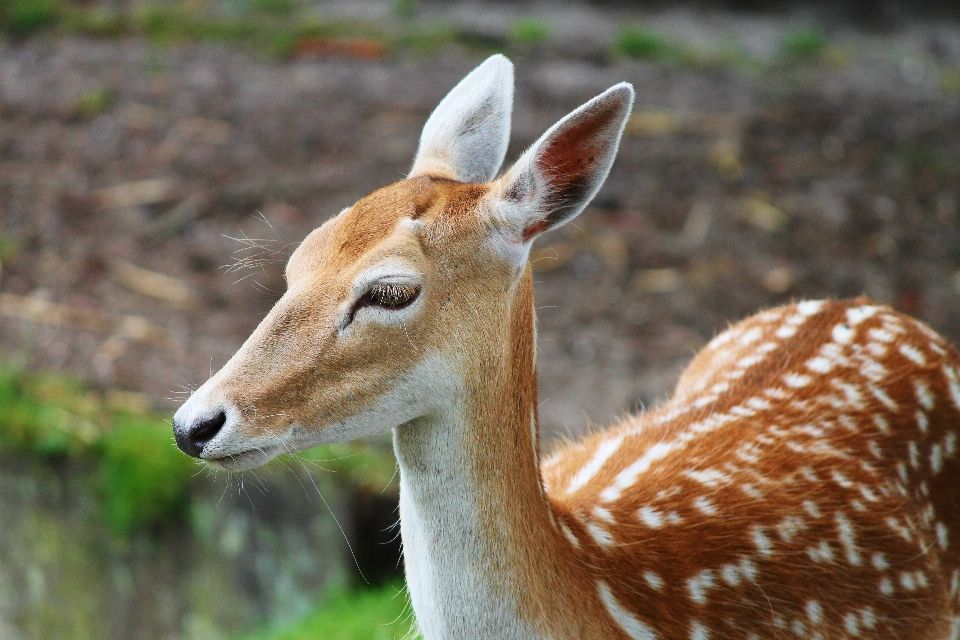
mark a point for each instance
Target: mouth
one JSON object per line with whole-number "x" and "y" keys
{"x": 241, "y": 461}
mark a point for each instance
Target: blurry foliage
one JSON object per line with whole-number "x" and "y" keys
{"x": 805, "y": 44}
{"x": 643, "y": 43}
{"x": 142, "y": 479}
{"x": 23, "y": 17}
{"x": 94, "y": 102}
{"x": 274, "y": 27}
{"x": 950, "y": 80}
{"x": 275, "y": 7}
{"x": 375, "y": 614}
{"x": 405, "y": 8}
{"x": 529, "y": 31}
{"x": 9, "y": 247}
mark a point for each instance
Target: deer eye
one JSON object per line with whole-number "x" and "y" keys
{"x": 390, "y": 296}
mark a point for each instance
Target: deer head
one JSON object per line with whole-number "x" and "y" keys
{"x": 388, "y": 301}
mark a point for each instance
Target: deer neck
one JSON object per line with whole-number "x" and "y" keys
{"x": 477, "y": 528}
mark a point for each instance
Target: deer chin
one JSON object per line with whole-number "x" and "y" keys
{"x": 242, "y": 461}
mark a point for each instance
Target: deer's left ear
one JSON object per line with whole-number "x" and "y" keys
{"x": 466, "y": 136}
{"x": 558, "y": 176}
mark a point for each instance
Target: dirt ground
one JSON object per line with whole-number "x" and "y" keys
{"x": 132, "y": 177}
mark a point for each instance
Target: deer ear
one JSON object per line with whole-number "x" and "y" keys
{"x": 466, "y": 136}
{"x": 555, "y": 179}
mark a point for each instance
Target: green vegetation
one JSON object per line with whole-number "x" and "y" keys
{"x": 141, "y": 477}
{"x": 529, "y": 31}
{"x": 142, "y": 480}
{"x": 805, "y": 44}
{"x": 23, "y": 17}
{"x": 376, "y": 614}
{"x": 93, "y": 103}
{"x": 405, "y": 8}
{"x": 643, "y": 43}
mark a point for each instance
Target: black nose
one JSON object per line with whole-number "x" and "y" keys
{"x": 192, "y": 438}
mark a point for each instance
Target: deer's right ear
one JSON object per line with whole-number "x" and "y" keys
{"x": 466, "y": 136}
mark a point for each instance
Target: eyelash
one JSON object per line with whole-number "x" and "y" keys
{"x": 386, "y": 296}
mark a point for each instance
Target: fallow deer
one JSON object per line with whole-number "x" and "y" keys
{"x": 803, "y": 481}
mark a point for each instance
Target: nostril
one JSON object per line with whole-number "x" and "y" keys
{"x": 193, "y": 438}
{"x": 205, "y": 430}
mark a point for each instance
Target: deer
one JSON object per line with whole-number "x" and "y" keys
{"x": 801, "y": 482}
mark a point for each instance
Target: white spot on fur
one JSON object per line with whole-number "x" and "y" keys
{"x": 651, "y": 517}
{"x": 923, "y": 423}
{"x": 936, "y": 458}
{"x": 842, "y": 334}
{"x": 821, "y": 553}
{"x": 705, "y": 506}
{"x": 852, "y": 624}
{"x": 708, "y": 477}
{"x": 630, "y": 624}
{"x": 882, "y": 396}
{"x": 953, "y": 384}
{"x": 809, "y": 307}
{"x": 942, "y": 536}
{"x": 856, "y": 315}
{"x": 796, "y": 380}
{"x": 698, "y": 631}
{"x": 761, "y": 541}
{"x": 653, "y": 580}
{"x": 868, "y": 617}
{"x": 907, "y": 581}
{"x": 789, "y": 527}
{"x": 814, "y": 611}
{"x": 603, "y": 514}
{"x": 699, "y": 585}
{"x": 848, "y": 539}
{"x": 882, "y": 425}
{"x": 628, "y": 476}
{"x": 879, "y": 562}
{"x": 881, "y": 335}
{"x": 913, "y": 354}
{"x": 923, "y": 394}
{"x": 600, "y": 535}
{"x": 886, "y": 587}
{"x": 569, "y": 535}
{"x": 606, "y": 449}
{"x": 819, "y": 364}
{"x": 730, "y": 574}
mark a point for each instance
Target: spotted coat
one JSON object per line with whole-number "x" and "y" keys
{"x": 803, "y": 482}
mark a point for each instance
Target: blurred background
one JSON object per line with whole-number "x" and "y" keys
{"x": 160, "y": 160}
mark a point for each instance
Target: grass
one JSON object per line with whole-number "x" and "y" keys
{"x": 643, "y": 43}
{"x": 373, "y": 614}
{"x": 23, "y": 17}
{"x": 274, "y": 27}
{"x": 807, "y": 44}
{"x": 529, "y": 31}
{"x": 142, "y": 480}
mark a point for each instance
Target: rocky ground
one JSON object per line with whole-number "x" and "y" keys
{"x": 135, "y": 178}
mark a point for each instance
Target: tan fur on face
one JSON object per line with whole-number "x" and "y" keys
{"x": 300, "y": 367}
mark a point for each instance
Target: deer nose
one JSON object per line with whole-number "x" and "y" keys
{"x": 193, "y": 437}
